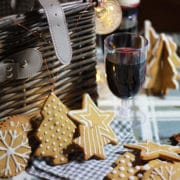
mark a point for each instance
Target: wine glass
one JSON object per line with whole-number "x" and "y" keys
{"x": 125, "y": 63}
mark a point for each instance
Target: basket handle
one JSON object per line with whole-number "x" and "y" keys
{"x": 21, "y": 65}
{"x": 58, "y": 29}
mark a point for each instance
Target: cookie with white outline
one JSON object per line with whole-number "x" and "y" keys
{"x": 151, "y": 150}
{"x": 163, "y": 171}
{"x": 14, "y": 151}
{"x": 55, "y": 132}
{"x": 94, "y": 129}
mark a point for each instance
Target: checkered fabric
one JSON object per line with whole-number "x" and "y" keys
{"x": 93, "y": 169}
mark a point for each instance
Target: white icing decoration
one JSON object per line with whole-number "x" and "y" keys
{"x": 50, "y": 119}
{"x": 62, "y": 159}
{"x": 54, "y": 149}
{"x": 131, "y": 170}
{"x": 57, "y": 130}
{"x": 11, "y": 151}
{"x": 122, "y": 175}
{"x": 131, "y": 178}
{"x": 121, "y": 168}
{"x": 159, "y": 172}
{"x": 53, "y": 100}
{"x": 129, "y": 164}
{"x": 52, "y": 135}
{"x": 114, "y": 172}
{"x": 54, "y": 107}
{"x": 60, "y": 145}
{"x": 122, "y": 161}
{"x": 52, "y": 127}
{"x": 127, "y": 156}
{"x": 65, "y": 140}
{"x": 45, "y": 132}
{"x": 44, "y": 124}
{"x": 47, "y": 140}
{"x": 48, "y": 147}
{"x": 57, "y": 122}
{"x": 49, "y": 113}
{"x": 63, "y": 133}
{"x": 137, "y": 167}
{"x": 55, "y": 115}
{"x": 139, "y": 175}
{"x": 53, "y": 143}
{"x": 146, "y": 167}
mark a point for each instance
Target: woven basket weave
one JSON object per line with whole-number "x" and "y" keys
{"x": 71, "y": 81}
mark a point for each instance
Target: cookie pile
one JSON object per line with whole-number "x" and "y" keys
{"x": 149, "y": 161}
{"x": 14, "y": 145}
{"x": 162, "y": 62}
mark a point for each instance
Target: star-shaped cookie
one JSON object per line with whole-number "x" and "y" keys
{"x": 94, "y": 128}
{"x": 151, "y": 150}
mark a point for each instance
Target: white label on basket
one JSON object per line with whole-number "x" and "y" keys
{"x": 58, "y": 29}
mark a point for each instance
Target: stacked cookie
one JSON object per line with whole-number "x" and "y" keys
{"x": 148, "y": 161}
{"x": 162, "y": 62}
{"x": 59, "y": 134}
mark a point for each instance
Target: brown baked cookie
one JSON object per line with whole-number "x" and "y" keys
{"x": 152, "y": 36}
{"x": 55, "y": 132}
{"x": 14, "y": 151}
{"x": 163, "y": 171}
{"x": 18, "y": 121}
{"x": 94, "y": 128}
{"x": 151, "y": 150}
{"x": 126, "y": 168}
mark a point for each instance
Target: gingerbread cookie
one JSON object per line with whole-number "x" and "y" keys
{"x": 94, "y": 128}
{"x": 175, "y": 58}
{"x": 55, "y": 132}
{"x": 163, "y": 171}
{"x": 14, "y": 151}
{"x": 151, "y": 150}
{"x": 161, "y": 71}
{"x": 152, "y": 36}
{"x": 18, "y": 121}
{"x": 126, "y": 168}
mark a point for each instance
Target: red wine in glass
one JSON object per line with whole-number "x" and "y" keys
{"x": 125, "y": 71}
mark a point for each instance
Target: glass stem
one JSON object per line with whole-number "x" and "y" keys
{"x": 124, "y": 109}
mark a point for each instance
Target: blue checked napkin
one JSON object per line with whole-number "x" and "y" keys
{"x": 93, "y": 169}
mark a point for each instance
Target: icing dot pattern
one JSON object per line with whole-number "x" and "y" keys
{"x": 57, "y": 131}
{"x": 125, "y": 168}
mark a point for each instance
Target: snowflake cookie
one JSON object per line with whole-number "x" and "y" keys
{"x": 163, "y": 171}
{"x": 14, "y": 151}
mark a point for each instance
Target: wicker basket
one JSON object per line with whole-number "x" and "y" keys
{"x": 17, "y": 33}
